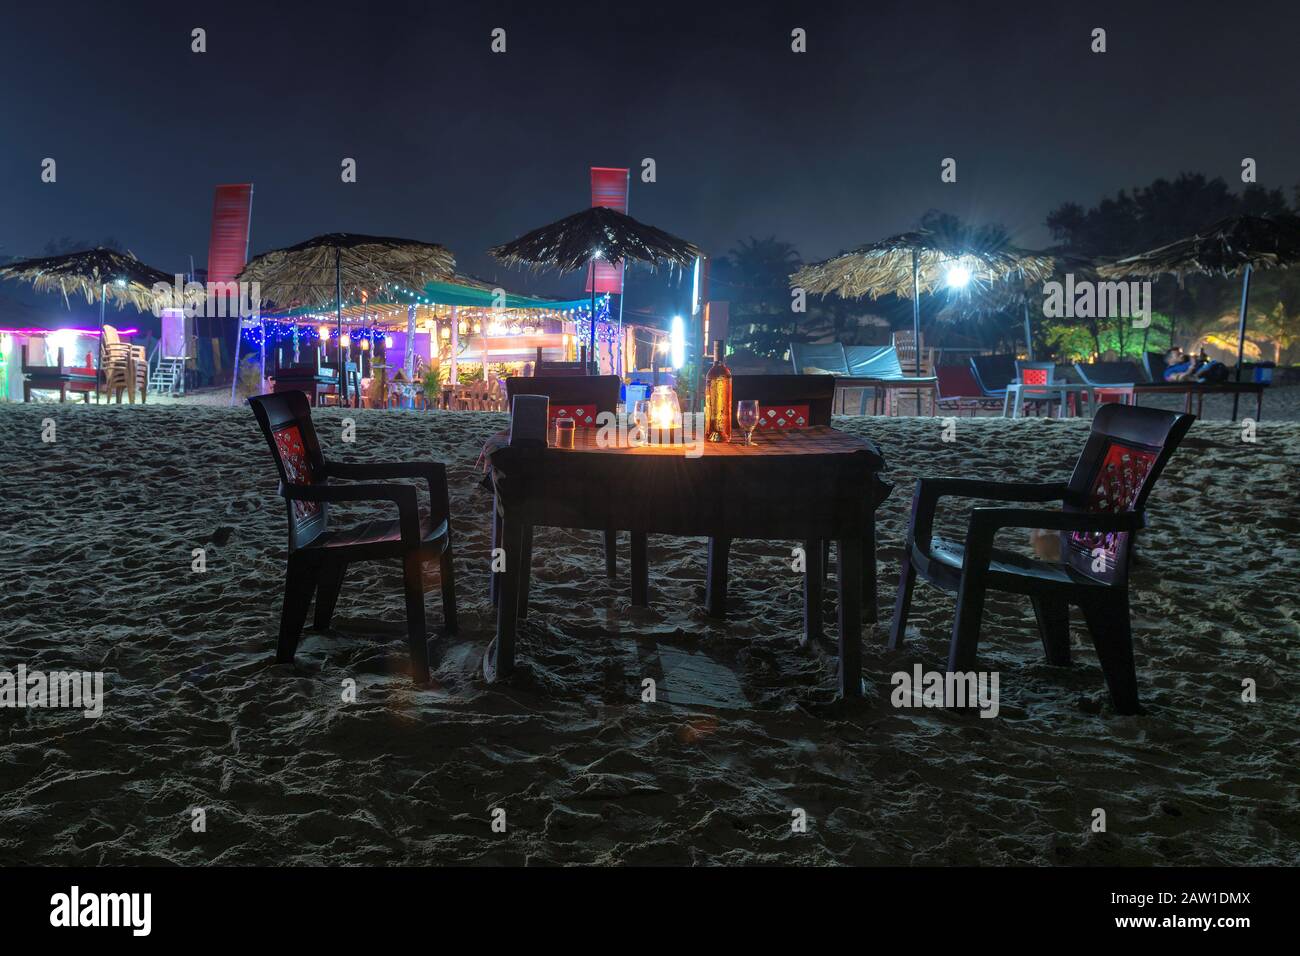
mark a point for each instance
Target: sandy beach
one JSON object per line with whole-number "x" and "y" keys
{"x": 97, "y": 534}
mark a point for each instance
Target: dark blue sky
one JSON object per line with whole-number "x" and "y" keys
{"x": 827, "y": 149}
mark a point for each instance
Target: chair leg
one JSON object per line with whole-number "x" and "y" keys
{"x": 1053, "y": 616}
{"x": 327, "y": 593}
{"x": 1112, "y": 636}
{"x": 525, "y": 570}
{"x": 870, "y": 597}
{"x": 640, "y": 570}
{"x": 416, "y": 635}
{"x": 903, "y": 603}
{"x": 966, "y": 626}
{"x": 813, "y": 576}
{"x": 850, "y": 616}
{"x": 611, "y": 554}
{"x": 715, "y": 593}
{"x": 447, "y": 576}
{"x": 299, "y": 582}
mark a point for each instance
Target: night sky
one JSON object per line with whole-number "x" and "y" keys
{"x": 454, "y": 144}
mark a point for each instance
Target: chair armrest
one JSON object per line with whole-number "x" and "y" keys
{"x": 403, "y": 496}
{"x": 930, "y": 490}
{"x": 990, "y": 520}
{"x": 434, "y": 473}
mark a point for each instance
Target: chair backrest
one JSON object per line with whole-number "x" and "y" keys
{"x": 993, "y": 372}
{"x": 580, "y": 397}
{"x": 873, "y": 361}
{"x": 1035, "y": 373}
{"x": 785, "y": 401}
{"x": 109, "y": 336}
{"x": 957, "y": 381}
{"x": 558, "y": 369}
{"x": 1110, "y": 373}
{"x": 818, "y": 359}
{"x": 285, "y": 418}
{"x": 1155, "y": 365}
{"x": 1125, "y": 454}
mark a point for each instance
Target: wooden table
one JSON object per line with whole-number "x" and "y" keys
{"x": 811, "y": 485}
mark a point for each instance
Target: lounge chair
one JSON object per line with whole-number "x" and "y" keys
{"x": 993, "y": 373}
{"x": 1103, "y": 506}
{"x": 319, "y": 555}
{"x": 958, "y": 391}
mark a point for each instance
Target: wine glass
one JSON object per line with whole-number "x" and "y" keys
{"x": 747, "y": 418}
{"x": 640, "y": 422}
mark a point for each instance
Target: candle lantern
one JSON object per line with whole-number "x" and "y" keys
{"x": 665, "y": 410}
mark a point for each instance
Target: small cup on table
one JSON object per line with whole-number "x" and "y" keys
{"x": 564, "y": 429}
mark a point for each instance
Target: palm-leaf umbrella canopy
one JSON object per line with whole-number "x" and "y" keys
{"x": 1239, "y": 244}
{"x": 100, "y": 275}
{"x": 912, "y": 263}
{"x": 575, "y": 241}
{"x": 1225, "y": 248}
{"x": 325, "y": 270}
{"x": 571, "y": 243}
{"x": 316, "y": 272}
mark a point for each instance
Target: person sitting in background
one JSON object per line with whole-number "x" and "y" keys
{"x": 1179, "y": 366}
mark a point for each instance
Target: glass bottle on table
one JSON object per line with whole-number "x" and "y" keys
{"x": 717, "y": 399}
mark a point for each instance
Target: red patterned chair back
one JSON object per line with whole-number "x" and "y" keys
{"x": 785, "y": 401}
{"x": 1124, "y": 456}
{"x": 580, "y": 397}
{"x": 285, "y": 419}
{"x": 1036, "y": 373}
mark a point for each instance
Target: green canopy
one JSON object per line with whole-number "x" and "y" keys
{"x": 449, "y": 293}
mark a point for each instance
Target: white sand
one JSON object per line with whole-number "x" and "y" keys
{"x": 96, "y": 533}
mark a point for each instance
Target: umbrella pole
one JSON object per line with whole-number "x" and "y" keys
{"x": 591, "y": 336}
{"x": 1241, "y": 334}
{"x": 1029, "y": 337}
{"x": 916, "y": 312}
{"x": 338, "y": 338}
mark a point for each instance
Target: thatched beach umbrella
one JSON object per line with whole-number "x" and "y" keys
{"x": 99, "y": 275}
{"x": 1239, "y": 244}
{"x": 576, "y": 241}
{"x": 911, "y": 263}
{"x": 325, "y": 270}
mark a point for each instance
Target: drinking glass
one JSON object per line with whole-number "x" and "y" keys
{"x": 640, "y": 431}
{"x": 747, "y": 418}
{"x": 564, "y": 428}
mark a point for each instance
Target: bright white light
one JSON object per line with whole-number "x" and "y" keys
{"x": 388, "y": 341}
{"x": 677, "y": 335}
{"x": 324, "y": 333}
{"x": 958, "y": 276}
{"x": 597, "y": 253}
{"x": 65, "y": 339}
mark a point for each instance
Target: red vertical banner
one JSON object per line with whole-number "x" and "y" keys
{"x": 232, "y": 211}
{"x": 609, "y": 189}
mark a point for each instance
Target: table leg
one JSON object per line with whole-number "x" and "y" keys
{"x": 715, "y": 594}
{"x": 813, "y": 574}
{"x": 1006, "y": 402}
{"x": 640, "y": 571}
{"x": 525, "y": 570}
{"x": 870, "y": 599}
{"x": 850, "y": 616}
{"x": 499, "y": 660}
{"x": 494, "y": 581}
{"x": 1259, "y": 405}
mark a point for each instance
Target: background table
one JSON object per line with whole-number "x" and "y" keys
{"x": 810, "y": 485}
